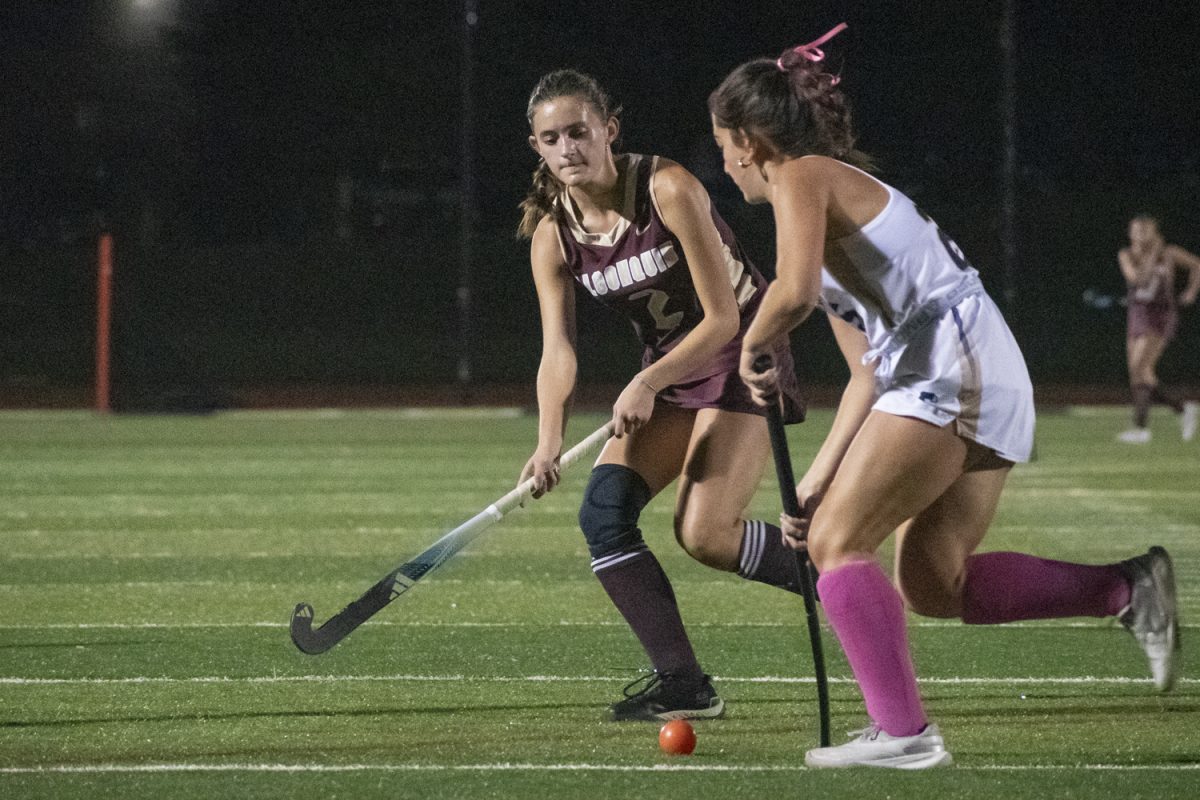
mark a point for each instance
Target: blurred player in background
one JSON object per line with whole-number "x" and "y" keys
{"x": 938, "y": 408}
{"x": 639, "y": 234}
{"x": 1148, "y": 265}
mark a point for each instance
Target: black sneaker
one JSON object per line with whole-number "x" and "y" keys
{"x": 665, "y": 697}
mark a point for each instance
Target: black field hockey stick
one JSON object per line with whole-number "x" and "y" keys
{"x": 791, "y": 507}
{"x": 402, "y": 578}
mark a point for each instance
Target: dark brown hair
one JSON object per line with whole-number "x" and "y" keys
{"x": 792, "y": 104}
{"x": 539, "y": 202}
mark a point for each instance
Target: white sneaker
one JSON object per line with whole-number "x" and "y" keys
{"x": 1134, "y": 436}
{"x": 1151, "y": 615}
{"x": 1188, "y": 420}
{"x": 871, "y": 747}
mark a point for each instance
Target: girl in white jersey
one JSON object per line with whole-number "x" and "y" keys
{"x": 937, "y": 410}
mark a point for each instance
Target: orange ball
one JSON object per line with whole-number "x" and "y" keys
{"x": 677, "y": 738}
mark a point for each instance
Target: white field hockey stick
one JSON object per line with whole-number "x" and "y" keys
{"x": 402, "y": 578}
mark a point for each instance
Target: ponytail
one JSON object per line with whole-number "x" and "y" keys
{"x": 540, "y": 201}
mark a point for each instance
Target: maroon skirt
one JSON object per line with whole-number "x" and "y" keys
{"x": 1152, "y": 319}
{"x": 726, "y": 391}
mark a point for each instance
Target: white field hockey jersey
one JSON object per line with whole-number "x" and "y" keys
{"x": 895, "y": 274}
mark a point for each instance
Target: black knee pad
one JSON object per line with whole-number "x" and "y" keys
{"x": 612, "y": 503}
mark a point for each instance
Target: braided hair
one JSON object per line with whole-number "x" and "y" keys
{"x": 539, "y": 202}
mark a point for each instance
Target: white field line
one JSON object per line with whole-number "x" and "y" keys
{"x": 517, "y": 767}
{"x": 1089, "y": 530}
{"x": 1080, "y": 680}
{"x": 254, "y": 503}
{"x": 76, "y": 588}
{"x": 43, "y": 587}
{"x": 1103, "y": 494}
{"x": 407, "y": 412}
{"x": 415, "y": 412}
{"x": 207, "y": 555}
{"x": 798, "y": 623}
{"x": 225, "y": 505}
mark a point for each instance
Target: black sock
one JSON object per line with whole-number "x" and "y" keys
{"x": 1141, "y": 404}
{"x": 765, "y": 558}
{"x": 639, "y": 588}
{"x": 1159, "y": 396}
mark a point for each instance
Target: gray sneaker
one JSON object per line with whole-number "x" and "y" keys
{"x": 872, "y": 747}
{"x": 1151, "y": 616}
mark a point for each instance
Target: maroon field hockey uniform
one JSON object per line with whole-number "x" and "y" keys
{"x": 1152, "y": 307}
{"x": 639, "y": 269}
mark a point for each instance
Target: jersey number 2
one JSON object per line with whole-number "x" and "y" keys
{"x": 954, "y": 250}
{"x": 657, "y": 306}
{"x": 956, "y": 253}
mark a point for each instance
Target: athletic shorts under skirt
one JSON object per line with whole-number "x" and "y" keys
{"x": 1152, "y": 319}
{"x": 965, "y": 368}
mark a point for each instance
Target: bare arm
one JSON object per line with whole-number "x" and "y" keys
{"x": 800, "y": 202}
{"x": 1128, "y": 270}
{"x": 852, "y": 411}
{"x": 557, "y": 369}
{"x": 685, "y": 208}
{"x": 1191, "y": 262}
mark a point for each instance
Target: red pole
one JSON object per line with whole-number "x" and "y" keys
{"x": 104, "y": 270}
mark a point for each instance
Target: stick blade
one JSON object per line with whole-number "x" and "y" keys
{"x": 341, "y": 624}
{"x": 303, "y": 635}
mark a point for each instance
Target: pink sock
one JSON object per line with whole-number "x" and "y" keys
{"x": 1006, "y": 587}
{"x": 867, "y": 615}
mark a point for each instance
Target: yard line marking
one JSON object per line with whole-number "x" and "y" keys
{"x": 1169, "y": 527}
{"x": 470, "y": 412}
{"x": 774, "y": 679}
{"x": 1106, "y": 494}
{"x": 526, "y": 767}
{"x": 1100, "y": 625}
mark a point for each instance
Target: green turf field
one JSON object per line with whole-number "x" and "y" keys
{"x": 149, "y": 565}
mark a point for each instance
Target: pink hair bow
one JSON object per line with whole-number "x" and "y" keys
{"x": 812, "y": 51}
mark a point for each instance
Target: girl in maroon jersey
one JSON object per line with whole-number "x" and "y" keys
{"x": 1149, "y": 265}
{"x": 639, "y": 234}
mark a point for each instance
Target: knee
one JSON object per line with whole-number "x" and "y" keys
{"x": 931, "y": 602}
{"x": 702, "y": 539}
{"x": 830, "y": 548}
{"x": 819, "y": 553}
{"x": 612, "y": 502}
{"x": 929, "y": 594}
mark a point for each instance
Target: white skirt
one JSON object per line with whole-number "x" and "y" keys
{"x": 966, "y": 369}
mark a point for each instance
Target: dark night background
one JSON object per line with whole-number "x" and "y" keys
{"x": 285, "y": 180}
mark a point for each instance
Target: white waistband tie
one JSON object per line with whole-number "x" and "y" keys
{"x": 922, "y": 316}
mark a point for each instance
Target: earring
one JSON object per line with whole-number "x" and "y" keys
{"x": 743, "y": 164}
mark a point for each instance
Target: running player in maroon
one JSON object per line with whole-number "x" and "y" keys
{"x": 1149, "y": 266}
{"x": 639, "y": 234}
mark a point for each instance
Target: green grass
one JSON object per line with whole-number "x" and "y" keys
{"x": 148, "y": 566}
